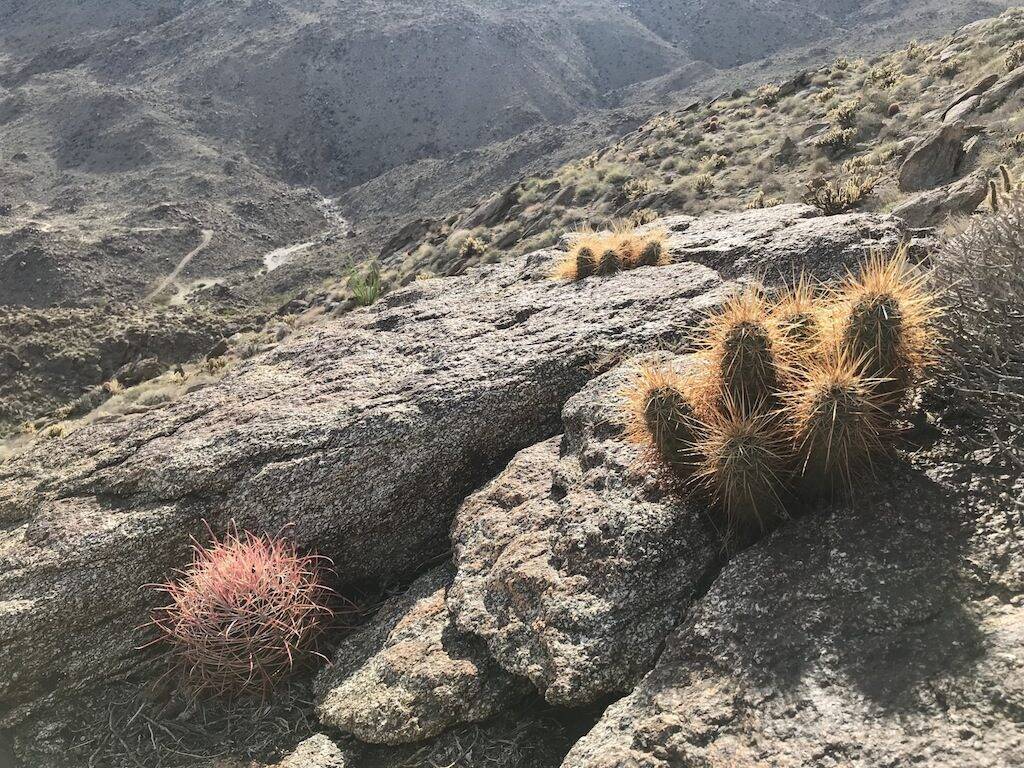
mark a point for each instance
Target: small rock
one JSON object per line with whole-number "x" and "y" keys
{"x": 316, "y": 752}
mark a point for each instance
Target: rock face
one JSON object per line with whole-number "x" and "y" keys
{"x": 935, "y": 205}
{"x": 575, "y": 563}
{"x": 363, "y": 433}
{"x": 886, "y": 632}
{"x": 934, "y": 160}
{"x": 410, "y": 674}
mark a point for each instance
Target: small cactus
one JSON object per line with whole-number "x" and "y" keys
{"x": 661, "y": 417}
{"x": 838, "y": 421}
{"x": 651, "y": 254}
{"x": 609, "y": 262}
{"x": 586, "y": 264}
{"x": 886, "y": 321}
{"x": 742, "y": 467}
{"x": 743, "y": 351}
{"x": 242, "y": 614}
{"x": 604, "y": 253}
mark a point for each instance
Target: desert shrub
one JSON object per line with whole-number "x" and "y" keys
{"x": 472, "y": 249}
{"x": 884, "y": 75}
{"x": 1016, "y": 143}
{"x": 950, "y": 68}
{"x": 703, "y": 183}
{"x": 1014, "y": 55}
{"x": 984, "y": 322}
{"x": 242, "y": 614}
{"x": 714, "y": 162}
{"x": 365, "y": 285}
{"x": 610, "y": 251}
{"x": 845, "y": 114}
{"x": 825, "y": 95}
{"x": 835, "y": 139}
{"x": 839, "y": 195}
{"x": 634, "y": 189}
{"x": 767, "y": 94}
{"x": 761, "y": 200}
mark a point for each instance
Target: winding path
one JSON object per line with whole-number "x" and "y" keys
{"x": 171, "y": 278}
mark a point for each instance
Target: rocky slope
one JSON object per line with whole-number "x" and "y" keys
{"x": 575, "y": 575}
{"x": 182, "y": 152}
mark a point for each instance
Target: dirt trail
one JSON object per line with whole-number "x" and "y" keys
{"x": 172, "y": 278}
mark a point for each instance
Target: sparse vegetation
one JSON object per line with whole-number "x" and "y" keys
{"x": 839, "y": 196}
{"x": 243, "y": 614}
{"x": 365, "y": 285}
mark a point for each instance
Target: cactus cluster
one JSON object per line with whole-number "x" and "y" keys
{"x": 1000, "y": 192}
{"x": 604, "y": 253}
{"x": 793, "y": 394}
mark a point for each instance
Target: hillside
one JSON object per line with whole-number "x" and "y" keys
{"x": 525, "y": 502}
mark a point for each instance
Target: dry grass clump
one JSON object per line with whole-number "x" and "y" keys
{"x": 242, "y": 614}
{"x": 791, "y": 394}
{"x": 604, "y": 253}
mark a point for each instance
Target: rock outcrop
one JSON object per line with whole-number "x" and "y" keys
{"x": 934, "y": 160}
{"x": 410, "y": 674}
{"x": 933, "y": 206}
{"x": 888, "y": 631}
{"x": 363, "y": 434}
{"x": 576, "y": 562}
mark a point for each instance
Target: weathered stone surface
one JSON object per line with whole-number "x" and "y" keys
{"x": 978, "y": 88}
{"x": 1006, "y": 86}
{"x": 934, "y": 205}
{"x": 934, "y": 159}
{"x": 410, "y": 674}
{"x": 889, "y": 631}
{"x": 363, "y": 433}
{"x": 576, "y": 561}
{"x": 316, "y": 752}
{"x": 961, "y": 110}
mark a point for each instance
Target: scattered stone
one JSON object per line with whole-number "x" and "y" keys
{"x": 1005, "y": 87}
{"x": 409, "y": 674}
{"x": 316, "y": 752}
{"x": 139, "y": 371}
{"x": 961, "y": 109}
{"x": 977, "y": 89}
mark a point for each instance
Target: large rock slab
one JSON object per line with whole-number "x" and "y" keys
{"x": 934, "y": 206}
{"x": 410, "y": 674}
{"x": 577, "y": 561}
{"x": 362, "y": 434}
{"x": 934, "y": 160}
{"x": 889, "y": 631}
